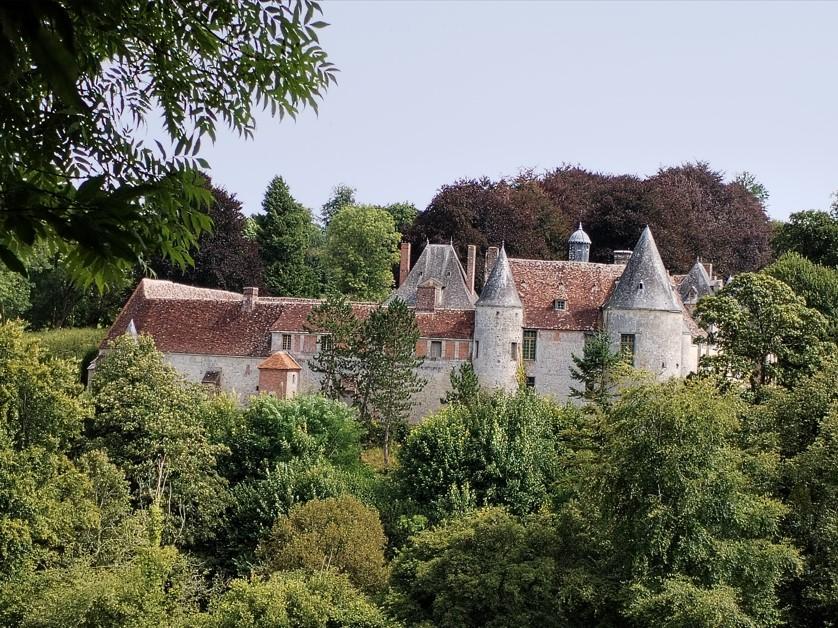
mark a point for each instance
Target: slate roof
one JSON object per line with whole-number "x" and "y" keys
{"x": 279, "y": 361}
{"x": 698, "y": 280}
{"x": 438, "y": 262}
{"x": 500, "y": 290}
{"x": 644, "y": 284}
{"x": 579, "y": 236}
{"x": 584, "y": 287}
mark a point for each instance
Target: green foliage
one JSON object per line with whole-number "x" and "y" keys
{"x": 72, "y": 343}
{"x": 361, "y": 249}
{"x": 338, "y": 533}
{"x": 817, "y": 284}
{"x": 465, "y": 389}
{"x": 292, "y": 600}
{"x": 764, "y": 331}
{"x": 287, "y": 236}
{"x": 150, "y": 422}
{"x": 385, "y": 370}
{"x": 278, "y": 430}
{"x": 342, "y": 196}
{"x": 79, "y": 84}
{"x": 748, "y": 181}
{"x": 812, "y": 234}
{"x": 598, "y": 370}
{"x": 502, "y": 450}
{"x": 484, "y": 569}
{"x": 404, "y": 215}
{"x": 335, "y": 320}
{"x": 14, "y": 294}
{"x": 156, "y": 588}
{"x": 686, "y": 520}
{"x": 258, "y": 502}
{"x": 41, "y": 401}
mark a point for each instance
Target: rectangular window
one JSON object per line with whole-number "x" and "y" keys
{"x": 530, "y": 339}
{"x": 436, "y": 349}
{"x": 515, "y": 351}
{"x": 559, "y": 304}
{"x": 286, "y": 342}
{"x": 531, "y": 382}
{"x": 627, "y": 347}
{"x": 476, "y": 349}
{"x": 325, "y": 342}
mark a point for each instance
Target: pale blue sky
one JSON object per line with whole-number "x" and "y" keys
{"x": 430, "y": 92}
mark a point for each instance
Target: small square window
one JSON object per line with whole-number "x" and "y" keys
{"x": 560, "y": 305}
{"x": 286, "y": 342}
{"x": 436, "y": 349}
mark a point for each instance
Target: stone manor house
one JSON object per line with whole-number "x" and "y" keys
{"x": 537, "y": 313}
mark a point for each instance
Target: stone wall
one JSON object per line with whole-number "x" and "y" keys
{"x": 239, "y": 375}
{"x": 495, "y": 329}
{"x": 658, "y": 348}
{"x": 553, "y": 359}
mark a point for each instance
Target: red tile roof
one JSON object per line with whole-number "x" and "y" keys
{"x": 280, "y": 361}
{"x": 584, "y": 286}
{"x": 446, "y": 323}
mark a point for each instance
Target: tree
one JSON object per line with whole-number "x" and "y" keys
{"x": 287, "y": 235}
{"x": 150, "y": 422}
{"x": 338, "y": 326}
{"x": 484, "y": 569}
{"x": 337, "y": 533}
{"x": 14, "y": 294}
{"x": 812, "y": 234}
{"x": 465, "y": 388}
{"x": 342, "y": 196}
{"x": 817, "y": 284}
{"x": 385, "y": 368}
{"x": 79, "y": 84}
{"x": 292, "y": 600}
{"x": 597, "y": 370}
{"x": 41, "y": 402}
{"x": 404, "y": 215}
{"x": 748, "y": 181}
{"x": 696, "y": 540}
{"x": 279, "y": 430}
{"x": 501, "y": 450}
{"x": 225, "y": 258}
{"x": 361, "y": 249}
{"x": 764, "y": 331}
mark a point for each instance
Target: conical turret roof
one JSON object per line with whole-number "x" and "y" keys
{"x": 644, "y": 284}
{"x": 580, "y": 236}
{"x": 697, "y": 279}
{"x": 500, "y": 290}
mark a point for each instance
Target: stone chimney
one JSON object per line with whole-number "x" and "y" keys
{"x": 491, "y": 258}
{"x": 250, "y": 296}
{"x": 404, "y": 263}
{"x": 621, "y": 257}
{"x": 471, "y": 266}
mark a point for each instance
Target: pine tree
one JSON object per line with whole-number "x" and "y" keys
{"x": 287, "y": 235}
{"x": 386, "y": 377}
{"x": 339, "y": 326}
{"x": 596, "y": 370}
{"x": 465, "y": 389}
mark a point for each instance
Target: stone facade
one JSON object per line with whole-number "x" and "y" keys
{"x": 534, "y": 314}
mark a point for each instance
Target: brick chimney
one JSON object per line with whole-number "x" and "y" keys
{"x": 471, "y": 266}
{"x": 404, "y": 263}
{"x": 491, "y": 258}
{"x": 621, "y": 257}
{"x": 250, "y": 296}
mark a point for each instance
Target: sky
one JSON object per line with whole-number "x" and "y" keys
{"x": 431, "y": 92}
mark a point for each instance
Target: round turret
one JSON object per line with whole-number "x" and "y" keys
{"x": 498, "y": 322}
{"x": 578, "y": 246}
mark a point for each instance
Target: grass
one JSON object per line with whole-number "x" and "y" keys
{"x": 72, "y": 343}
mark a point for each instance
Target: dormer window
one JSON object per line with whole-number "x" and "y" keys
{"x": 560, "y": 305}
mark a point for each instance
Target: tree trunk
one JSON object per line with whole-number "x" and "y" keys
{"x": 387, "y": 446}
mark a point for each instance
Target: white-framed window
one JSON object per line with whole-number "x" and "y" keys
{"x": 530, "y": 343}
{"x": 560, "y": 305}
{"x": 286, "y": 342}
{"x": 436, "y": 349}
{"x": 325, "y": 342}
